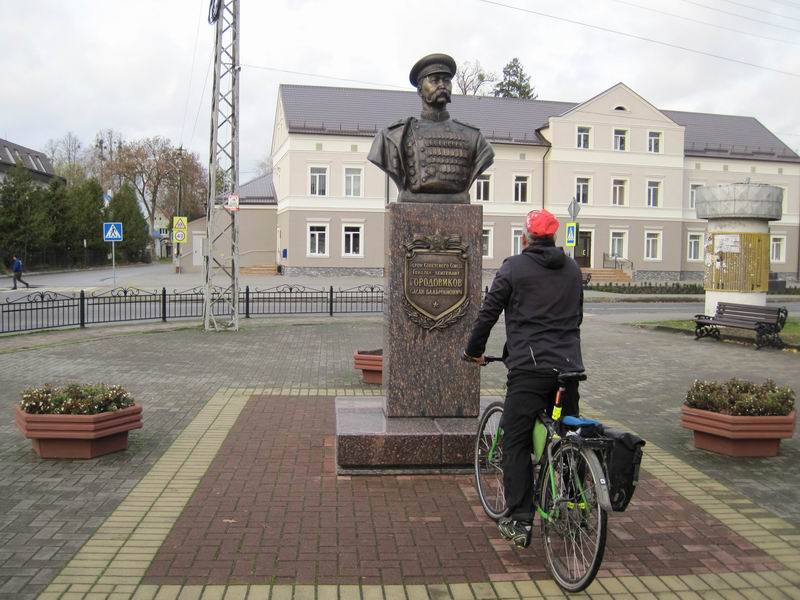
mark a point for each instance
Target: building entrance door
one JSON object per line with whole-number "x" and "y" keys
{"x": 583, "y": 250}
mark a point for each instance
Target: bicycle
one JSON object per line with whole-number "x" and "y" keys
{"x": 571, "y": 494}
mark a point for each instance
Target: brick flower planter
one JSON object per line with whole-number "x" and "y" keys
{"x": 371, "y": 364}
{"x": 79, "y": 436}
{"x": 737, "y": 436}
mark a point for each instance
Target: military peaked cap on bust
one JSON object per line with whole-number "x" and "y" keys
{"x": 433, "y": 63}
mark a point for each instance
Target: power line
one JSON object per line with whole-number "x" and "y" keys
{"x": 662, "y": 12}
{"x": 788, "y": 3}
{"x": 202, "y": 95}
{"x": 191, "y": 74}
{"x": 265, "y": 68}
{"x": 761, "y": 10}
{"x": 725, "y": 12}
{"x": 641, "y": 38}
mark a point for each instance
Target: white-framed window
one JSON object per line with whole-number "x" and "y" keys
{"x": 654, "y": 142}
{"x": 694, "y": 247}
{"x": 583, "y": 137}
{"x": 318, "y": 181}
{"x": 619, "y": 190}
{"x": 353, "y": 240}
{"x": 777, "y": 248}
{"x": 619, "y": 244}
{"x": 653, "y": 193}
{"x": 582, "y": 190}
{"x": 482, "y": 188}
{"x": 520, "y": 188}
{"x": 487, "y": 242}
{"x": 352, "y": 181}
{"x": 652, "y": 245}
{"x": 621, "y": 140}
{"x": 317, "y": 239}
{"x": 693, "y": 194}
{"x": 516, "y": 240}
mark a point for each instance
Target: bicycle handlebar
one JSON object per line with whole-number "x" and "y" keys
{"x": 490, "y": 359}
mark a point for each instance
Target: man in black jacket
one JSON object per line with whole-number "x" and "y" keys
{"x": 541, "y": 292}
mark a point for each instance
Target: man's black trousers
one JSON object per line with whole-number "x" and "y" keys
{"x": 527, "y": 395}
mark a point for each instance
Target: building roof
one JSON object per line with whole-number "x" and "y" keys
{"x": 258, "y": 191}
{"x": 33, "y": 160}
{"x": 356, "y": 111}
{"x": 362, "y": 112}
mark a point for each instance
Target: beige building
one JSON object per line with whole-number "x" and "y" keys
{"x": 257, "y": 226}
{"x": 631, "y": 166}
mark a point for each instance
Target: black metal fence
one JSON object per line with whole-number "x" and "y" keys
{"x": 51, "y": 310}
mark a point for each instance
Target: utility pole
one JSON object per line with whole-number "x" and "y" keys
{"x": 177, "y": 247}
{"x": 222, "y": 214}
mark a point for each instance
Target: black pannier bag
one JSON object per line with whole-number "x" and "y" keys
{"x": 622, "y": 463}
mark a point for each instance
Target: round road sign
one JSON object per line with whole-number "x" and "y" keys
{"x": 180, "y": 236}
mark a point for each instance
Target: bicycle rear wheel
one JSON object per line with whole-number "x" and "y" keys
{"x": 575, "y": 528}
{"x": 489, "y": 462}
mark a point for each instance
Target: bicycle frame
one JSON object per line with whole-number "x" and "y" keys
{"x": 546, "y": 459}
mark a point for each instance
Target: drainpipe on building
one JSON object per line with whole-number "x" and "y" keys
{"x": 544, "y": 172}
{"x": 386, "y": 175}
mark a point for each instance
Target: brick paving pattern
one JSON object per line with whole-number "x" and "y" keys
{"x": 271, "y": 508}
{"x": 49, "y": 509}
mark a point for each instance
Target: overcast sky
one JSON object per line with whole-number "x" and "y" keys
{"x": 140, "y": 66}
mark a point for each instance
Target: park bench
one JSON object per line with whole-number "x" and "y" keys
{"x": 766, "y": 321}
{"x": 585, "y": 278}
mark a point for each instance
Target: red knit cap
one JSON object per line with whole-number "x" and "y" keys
{"x": 541, "y": 223}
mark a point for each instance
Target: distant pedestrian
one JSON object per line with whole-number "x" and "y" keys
{"x": 16, "y": 267}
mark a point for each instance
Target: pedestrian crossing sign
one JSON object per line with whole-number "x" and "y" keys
{"x": 179, "y": 227}
{"x": 572, "y": 233}
{"x": 112, "y": 232}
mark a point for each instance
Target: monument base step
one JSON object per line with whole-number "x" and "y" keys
{"x": 369, "y": 442}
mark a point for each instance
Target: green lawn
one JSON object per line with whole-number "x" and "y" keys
{"x": 790, "y": 333}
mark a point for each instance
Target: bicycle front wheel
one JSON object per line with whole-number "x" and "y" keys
{"x": 489, "y": 462}
{"x": 574, "y": 524}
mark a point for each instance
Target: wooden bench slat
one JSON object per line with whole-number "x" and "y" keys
{"x": 764, "y": 320}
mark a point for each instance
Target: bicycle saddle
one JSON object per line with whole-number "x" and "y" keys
{"x": 571, "y": 376}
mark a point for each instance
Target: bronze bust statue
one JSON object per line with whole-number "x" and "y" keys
{"x": 434, "y": 158}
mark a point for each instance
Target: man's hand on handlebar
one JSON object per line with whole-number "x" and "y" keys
{"x": 478, "y": 360}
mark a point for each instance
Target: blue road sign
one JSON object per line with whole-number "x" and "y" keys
{"x": 112, "y": 232}
{"x": 572, "y": 233}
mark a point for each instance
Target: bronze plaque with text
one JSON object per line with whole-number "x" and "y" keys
{"x": 435, "y": 280}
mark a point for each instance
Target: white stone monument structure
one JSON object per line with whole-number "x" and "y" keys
{"x": 737, "y": 241}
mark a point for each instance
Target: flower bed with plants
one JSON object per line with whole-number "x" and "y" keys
{"x": 739, "y": 418}
{"x": 75, "y": 399}
{"x": 77, "y": 421}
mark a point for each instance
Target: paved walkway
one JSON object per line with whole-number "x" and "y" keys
{"x": 190, "y": 511}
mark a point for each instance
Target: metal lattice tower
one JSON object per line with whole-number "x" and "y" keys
{"x": 221, "y": 303}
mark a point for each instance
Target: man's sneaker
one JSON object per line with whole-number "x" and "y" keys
{"x": 515, "y": 531}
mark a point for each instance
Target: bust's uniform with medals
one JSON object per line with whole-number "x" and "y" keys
{"x": 432, "y": 158}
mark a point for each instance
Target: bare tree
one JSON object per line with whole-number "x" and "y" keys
{"x": 186, "y": 192}
{"x": 471, "y": 79}
{"x": 68, "y": 158}
{"x": 149, "y": 166}
{"x": 264, "y": 166}
{"x": 100, "y": 158}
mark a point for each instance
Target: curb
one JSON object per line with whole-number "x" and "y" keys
{"x": 734, "y": 339}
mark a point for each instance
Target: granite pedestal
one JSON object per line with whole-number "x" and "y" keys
{"x": 428, "y": 418}
{"x": 369, "y": 442}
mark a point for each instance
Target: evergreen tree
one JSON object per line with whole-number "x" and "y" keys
{"x": 25, "y": 225}
{"x": 124, "y": 208}
{"x": 84, "y": 216}
{"x": 515, "y": 84}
